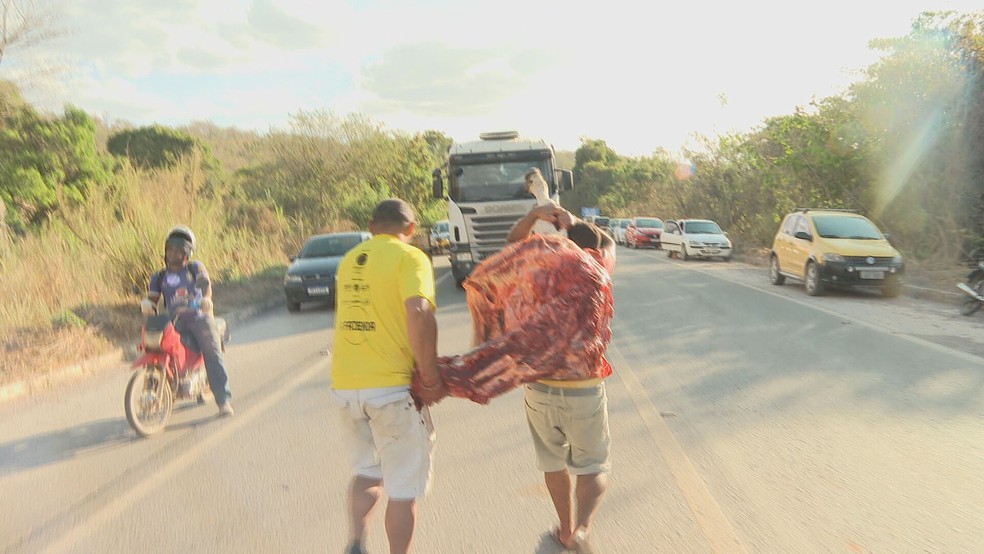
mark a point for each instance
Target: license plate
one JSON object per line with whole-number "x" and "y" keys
{"x": 872, "y": 274}
{"x": 317, "y": 291}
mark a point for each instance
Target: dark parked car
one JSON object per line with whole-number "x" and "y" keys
{"x": 311, "y": 275}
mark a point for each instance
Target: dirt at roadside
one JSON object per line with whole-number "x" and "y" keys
{"x": 32, "y": 353}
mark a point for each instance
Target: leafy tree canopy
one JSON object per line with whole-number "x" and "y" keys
{"x": 47, "y": 163}
{"x": 158, "y": 147}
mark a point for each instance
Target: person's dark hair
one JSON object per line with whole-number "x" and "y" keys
{"x": 585, "y": 235}
{"x": 392, "y": 212}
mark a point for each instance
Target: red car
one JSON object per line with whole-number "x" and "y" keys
{"x": 644, "y": 231}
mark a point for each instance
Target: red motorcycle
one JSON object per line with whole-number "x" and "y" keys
{"x": 166, "y": 372}
{"x": 974, "y": 289}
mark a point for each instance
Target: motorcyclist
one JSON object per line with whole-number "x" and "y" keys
{"x": 187, "y": 292}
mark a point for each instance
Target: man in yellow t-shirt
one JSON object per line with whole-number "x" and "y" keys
{"x": 385, "y": 330}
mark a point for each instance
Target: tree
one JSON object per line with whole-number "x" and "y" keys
{"x": 47, "y": 163}
{"x": 328, "y": 172}
{"x": 23, "y": 26}
{"x": 596, "y": 168}
{"x": 157, "y": 147}
{"x": 923, "y": 103}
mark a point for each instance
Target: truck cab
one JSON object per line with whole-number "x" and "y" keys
{"x": 486, "y": 192}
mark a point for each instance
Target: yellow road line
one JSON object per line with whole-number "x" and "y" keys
{"x": 710, "y": 518}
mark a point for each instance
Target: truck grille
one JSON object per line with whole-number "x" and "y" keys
{"x": 490, "y": 232}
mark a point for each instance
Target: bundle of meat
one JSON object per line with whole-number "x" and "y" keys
{"x": 541, "y": 309}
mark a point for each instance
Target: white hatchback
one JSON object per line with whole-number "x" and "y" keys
{"x": 695, "y": 238}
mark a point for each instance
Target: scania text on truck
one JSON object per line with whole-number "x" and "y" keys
{"x": 487, "y": 193}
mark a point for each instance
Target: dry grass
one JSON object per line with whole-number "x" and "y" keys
{"x": 71, "y": 290}
{"x": 107, "y": 328}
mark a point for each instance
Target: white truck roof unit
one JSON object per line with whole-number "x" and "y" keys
{"x": 503, "y": 141}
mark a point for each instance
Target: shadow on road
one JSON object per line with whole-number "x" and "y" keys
{"x": 56, "y": 446}
{"x": 49, "y": 448}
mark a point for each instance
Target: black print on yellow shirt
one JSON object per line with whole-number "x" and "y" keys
{"x": 359, "y": 325}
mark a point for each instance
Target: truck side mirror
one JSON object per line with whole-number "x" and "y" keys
{"x": 565, "y": 179}
{"x": 437, "y": 184}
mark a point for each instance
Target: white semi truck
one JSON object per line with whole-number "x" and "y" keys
{"x": 487, "y": 194}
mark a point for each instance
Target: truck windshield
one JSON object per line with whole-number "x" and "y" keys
{"x": 488, "y": 182}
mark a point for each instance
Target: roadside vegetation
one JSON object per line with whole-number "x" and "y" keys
{"x": 902, "y": 146}
{"x": 86, "y": 205}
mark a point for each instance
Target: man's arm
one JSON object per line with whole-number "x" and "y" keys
{"x": 555, "y": 215}
{"x": 607, "y": 243}
{"x": 148, "y": 305}
{"x": 422, "y": 330}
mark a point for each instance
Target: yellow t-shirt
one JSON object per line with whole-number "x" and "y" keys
{"x": 372, "y": 347}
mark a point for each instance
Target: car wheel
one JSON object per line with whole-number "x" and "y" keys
{"x": 891, "y": 288}
{"x": 669, "y": 252}
{"x": 775, "y": 276}
{"x": 293, "y": 306}
{"x": 814, "y": 286}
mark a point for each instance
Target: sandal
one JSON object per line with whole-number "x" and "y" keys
{"x": 355, "y": 548}
{"x": 555, "y": 535}
{"x": 579, "y": 542}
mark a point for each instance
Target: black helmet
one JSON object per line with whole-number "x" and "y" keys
{"x": 181, "y": 237}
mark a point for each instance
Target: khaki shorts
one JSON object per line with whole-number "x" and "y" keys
{"x": 569, "y": 428}
{"x": 389, "y": 439}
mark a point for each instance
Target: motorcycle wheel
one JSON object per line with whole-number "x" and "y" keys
{"x": 970, "y": 305}
{"x": 148, "y": 401}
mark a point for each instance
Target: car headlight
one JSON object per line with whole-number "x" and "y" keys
{"x": 832, "y": 257}
{"x": 292, "y": 279}
{"x": 897, "y": 259}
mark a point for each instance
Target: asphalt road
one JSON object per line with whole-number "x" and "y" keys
{"x": 745, "y": 418}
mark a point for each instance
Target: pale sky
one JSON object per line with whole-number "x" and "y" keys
{"x": 637, "y": 74}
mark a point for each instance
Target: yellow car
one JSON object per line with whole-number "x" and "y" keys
{"x": 824, "y": 247}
